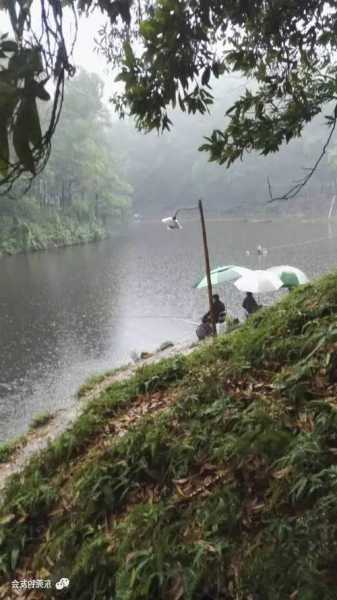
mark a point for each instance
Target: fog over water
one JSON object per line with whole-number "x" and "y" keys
{"x": 70, "y": 313}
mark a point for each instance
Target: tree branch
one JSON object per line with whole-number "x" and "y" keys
{"x": 295, "y": 189}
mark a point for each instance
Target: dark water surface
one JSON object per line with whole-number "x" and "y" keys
{"x": 73, "y": 312}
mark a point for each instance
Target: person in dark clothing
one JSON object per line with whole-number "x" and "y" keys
{"x": 219, "y": 311}
{"x": 249, "y": 304}
{"x": 204, "y": 330}
{"x": 205, "y": 327}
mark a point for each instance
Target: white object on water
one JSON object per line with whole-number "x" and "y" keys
{"x": 332, "y": 206}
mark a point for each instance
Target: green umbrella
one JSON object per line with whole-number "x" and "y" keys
{"x": 223, "y": 275}
{"x": 290, "y": 276}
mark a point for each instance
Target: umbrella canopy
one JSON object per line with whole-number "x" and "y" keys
{"x": 259, "y": 282}
{"x": 290, "y": 276}
{"x": 223, "y": 275}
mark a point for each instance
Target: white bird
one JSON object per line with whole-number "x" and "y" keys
{"x": 172, "y": 223}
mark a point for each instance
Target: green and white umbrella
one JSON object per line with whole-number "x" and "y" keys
{"x": 223, "y": 275}
{"x": 290, "y": 276}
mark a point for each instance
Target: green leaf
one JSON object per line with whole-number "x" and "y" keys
{"x": 129, "y": 55}
{"x": 40, "y": 92}
{"x": 8, "y": 46}
{"x": 181, "y": 103}
{"x": 14, "y": 558}
{"x": 206, "y": 76}
{"x": 25, "y": 63}
{"x": 35, "y": 60}
{"x": 147, "y": 29}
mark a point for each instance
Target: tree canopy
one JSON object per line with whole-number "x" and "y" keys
{"x": 167, "y": 53}
{"x": 172, "y": 163}
{"x": 82, "y": 193}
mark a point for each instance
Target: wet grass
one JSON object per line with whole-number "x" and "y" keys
{"x": 226, "y": 489}
{"x": 40, "y": 420}
{"x": 7, "y": 449}
{"x": 93, "y": 381}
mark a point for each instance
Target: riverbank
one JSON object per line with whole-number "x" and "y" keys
{"x": 198, "y": 476}
{"x": 56, "y": 232}
{"x": 16, "y": 453}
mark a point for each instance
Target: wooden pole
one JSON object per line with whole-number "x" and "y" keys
{"x": 208, "y": 270}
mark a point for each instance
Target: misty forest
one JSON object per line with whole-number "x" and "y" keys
{"x": 168, "y": 299}
{"x": 102, "y": 170}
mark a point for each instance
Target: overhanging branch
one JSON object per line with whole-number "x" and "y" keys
{"x": 295, "y": 189}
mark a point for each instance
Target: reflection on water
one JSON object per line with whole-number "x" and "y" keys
{"x": 69, "y": 313}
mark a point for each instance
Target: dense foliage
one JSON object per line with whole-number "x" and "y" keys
{"x": 172, "y": 163}
{"x": 209, "y": 476}
{"x": 167, "y": 51}
{"x": 82, "y": 193}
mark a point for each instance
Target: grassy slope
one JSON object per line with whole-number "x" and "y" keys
{"x": 211, "y": 476}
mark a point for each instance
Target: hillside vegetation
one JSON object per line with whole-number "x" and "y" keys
{"x": 33, "y": 228}
{"x": 210, "y": 476}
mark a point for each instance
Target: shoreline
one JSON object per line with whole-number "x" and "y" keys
{"x": 59, "y": 246}
{"x": 61, "y": 420}
{"x": 52, "y": 246}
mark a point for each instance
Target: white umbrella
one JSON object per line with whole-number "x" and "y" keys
{"x": 290, "y": 276}
{"x": 259, "y": 282}
{"x": 223, "y": 275}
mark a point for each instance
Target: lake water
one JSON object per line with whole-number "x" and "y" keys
{"x": 70, "y": 313}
